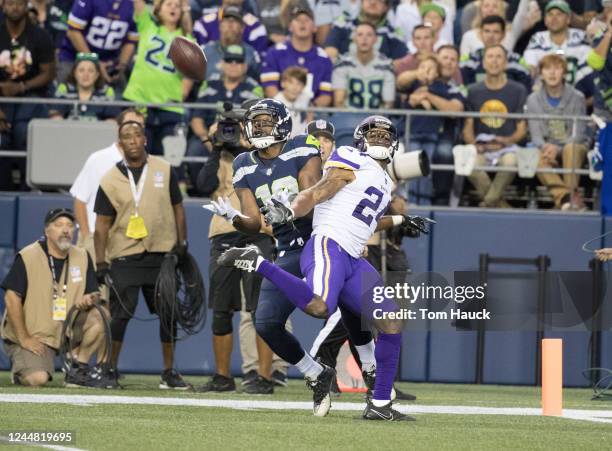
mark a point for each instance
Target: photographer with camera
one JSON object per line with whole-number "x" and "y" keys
{"x": 232, "y": 86}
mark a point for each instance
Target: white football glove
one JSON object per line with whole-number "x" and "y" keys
{"x": 283, "y": 196}
{"x": 223, "y": 207}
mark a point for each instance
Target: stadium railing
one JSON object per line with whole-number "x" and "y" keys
{"x": 407, "y": 114}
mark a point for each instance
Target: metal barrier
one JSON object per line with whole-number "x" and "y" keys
{"x": 408, "y": 114}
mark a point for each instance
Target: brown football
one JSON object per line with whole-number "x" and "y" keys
{"x": 188, "y": 58}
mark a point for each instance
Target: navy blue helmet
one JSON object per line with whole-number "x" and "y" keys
{"x": 279, "y": 126}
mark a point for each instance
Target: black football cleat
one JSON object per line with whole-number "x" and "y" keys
{"x": 321, "y": 388}
{"x": 243, "y": 258}
{"x": 384, "y": 413}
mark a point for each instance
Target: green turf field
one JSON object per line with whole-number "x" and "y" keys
{"x": 176, "y": 426}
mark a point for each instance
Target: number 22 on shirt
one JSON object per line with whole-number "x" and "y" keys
{"x": 107, "y": 34}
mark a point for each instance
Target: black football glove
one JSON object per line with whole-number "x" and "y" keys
{"x": 413, "y": 226}
{"x": 276, "y": 213}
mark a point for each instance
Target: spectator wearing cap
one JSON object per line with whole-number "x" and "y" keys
{"x": 48, "y": 278}
{"x": 85, "y": 83}
{"x": 365, "y": 79}
{"x": 103, "y": 27}
{"x": 339, "y": 41}
{"x": 600, "y": 59}
{"x": 435, "y": 17}
{"x": 27, "y": 67}
{"x": 299, "y": 50}
{"x": 208, "y": 27}
{"x": 231, "y": 32}
{"x": 411, "y": 14}
{"x": 492, "y": 32}
{"x": 324, "y": 131}
{"x": 231, "y": 85}
{"x": 561, "y": 39}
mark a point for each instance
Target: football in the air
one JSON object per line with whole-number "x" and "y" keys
{"x": 188, "y": 58}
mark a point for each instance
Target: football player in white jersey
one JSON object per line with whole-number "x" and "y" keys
{"x": 350, "y": 201}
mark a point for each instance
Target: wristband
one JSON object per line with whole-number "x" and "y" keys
{"x": 397, "y": 219}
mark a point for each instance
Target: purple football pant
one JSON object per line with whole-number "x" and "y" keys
{"x": 350, "y": 283}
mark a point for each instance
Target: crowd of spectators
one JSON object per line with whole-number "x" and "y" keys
{"x": 421, "y": 55}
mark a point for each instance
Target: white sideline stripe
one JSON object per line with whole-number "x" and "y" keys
{"x": 598, "y": 416}
{"x": 41, "y": 445}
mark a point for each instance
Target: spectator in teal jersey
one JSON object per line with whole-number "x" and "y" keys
{"x": 85, "y": 83}
{"x": 154, "y": 78}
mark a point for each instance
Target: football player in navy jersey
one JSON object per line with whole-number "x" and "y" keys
{"x": 278, "y": 165}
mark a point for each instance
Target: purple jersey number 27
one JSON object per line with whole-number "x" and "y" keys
{"x": 371, "y": 204}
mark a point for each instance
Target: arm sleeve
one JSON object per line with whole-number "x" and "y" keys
{"x": 388, "y": 93}
{"x": 516, "y": 30}
{"x": 270, "y": 70}
{"x": 239, "y": 166}
{"x": 536, "y": 127}
{"x": 465, "y": 47}
{"x": 581, "y": 126}
{"x": 17, "y": 279}
{"x": 258, "y": 37}
{"x": 91, "y": 284}
{"x": 132, "y": 34}
{"x": 325, "y": 83}
{"x": 522, "y": 98}
{"x": 103, "y": 205}
{"x": 208, "y": 178}
{"x": 175, "y": 192}
{"x": 199, "y": 32}
{"x": 83, "y": 187}
{"x": 80, "y": 15}
{"x": 531, "y": 53}
{"x": 143, "y": 20}
{"x": 339, "y": 77}
{"x": 467, "y": 72}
